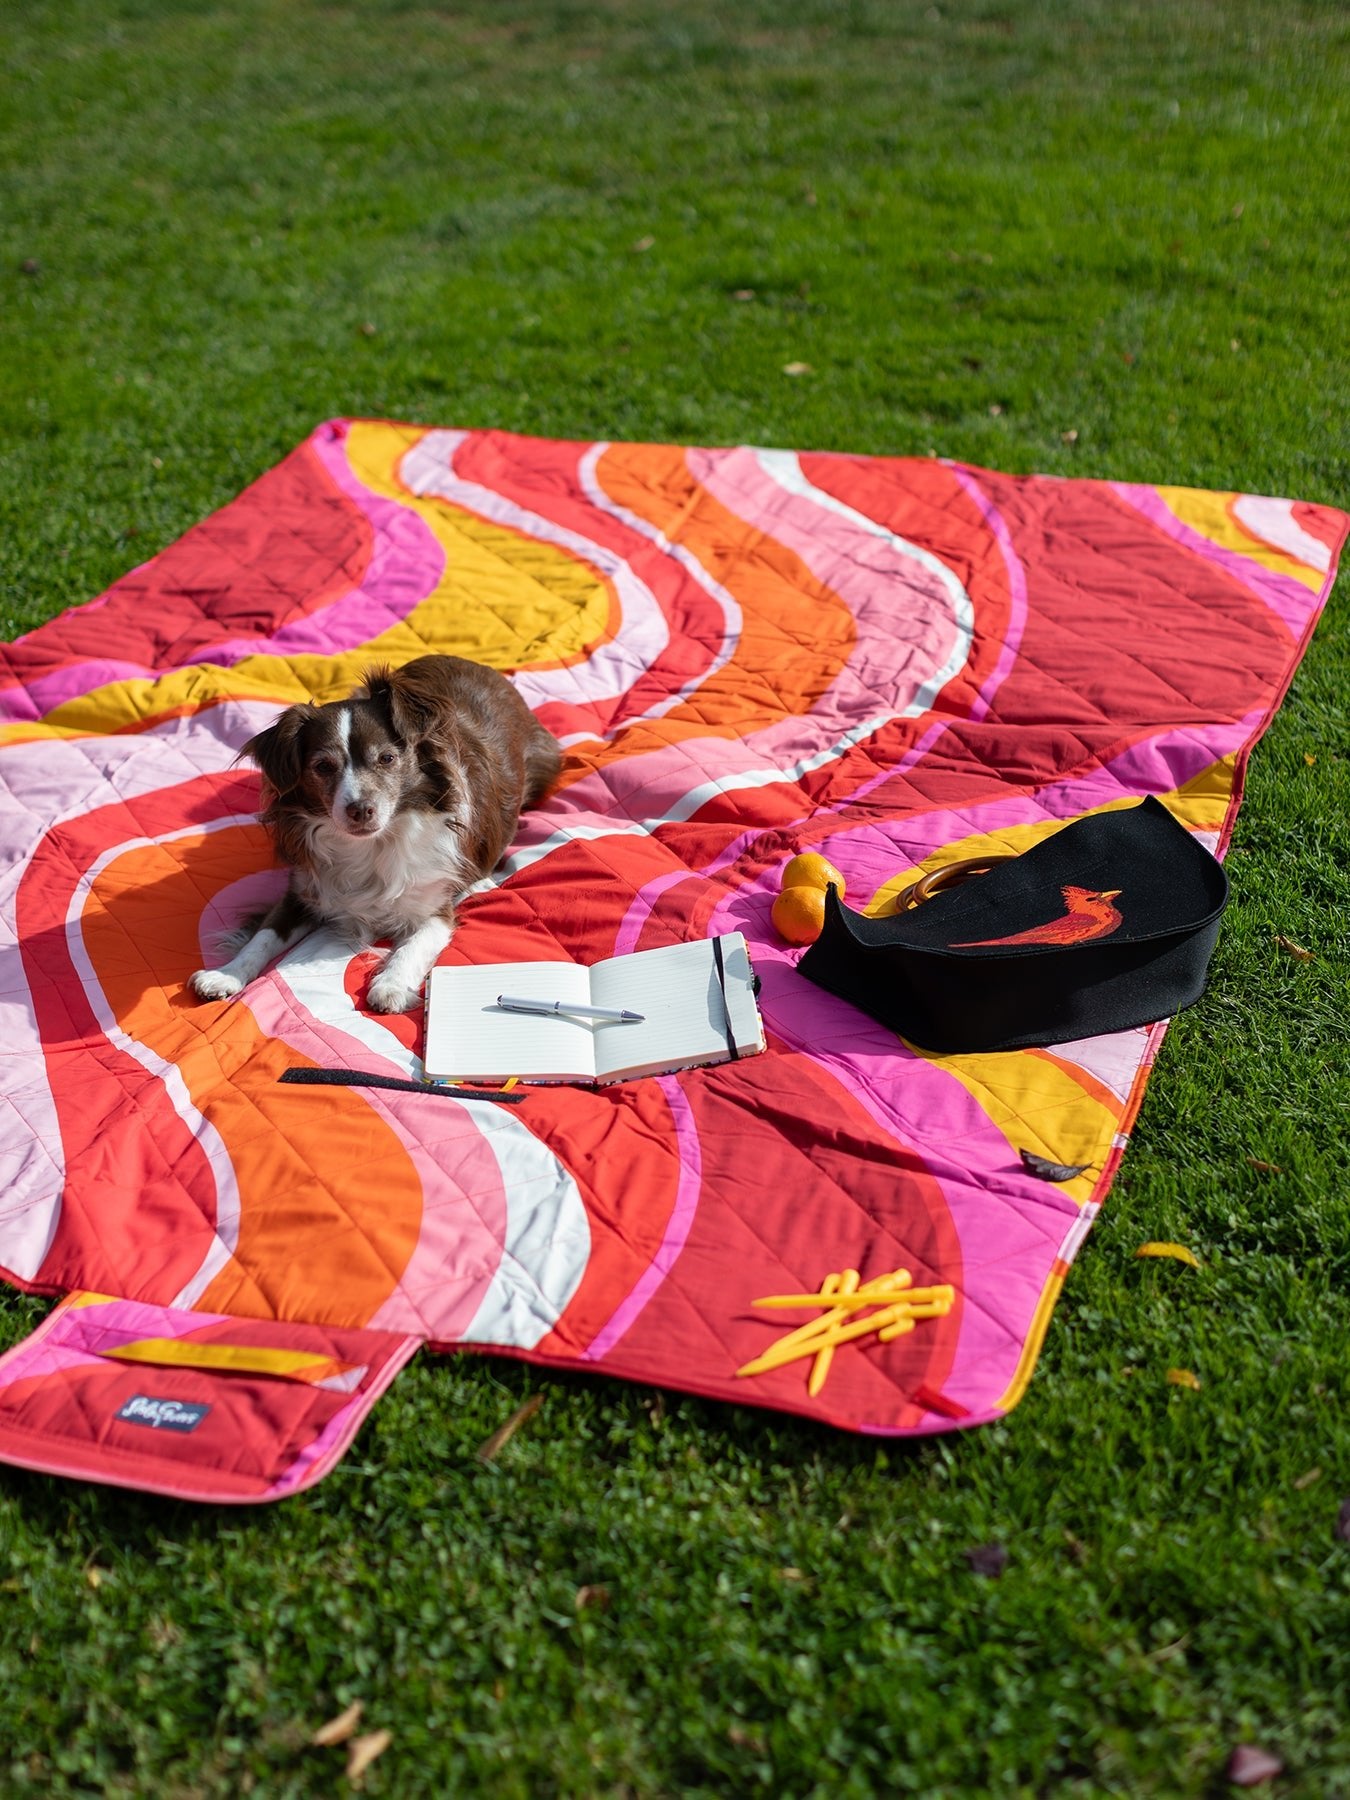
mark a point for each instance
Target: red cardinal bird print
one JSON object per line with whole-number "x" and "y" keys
{"x": 1089, "y": 914}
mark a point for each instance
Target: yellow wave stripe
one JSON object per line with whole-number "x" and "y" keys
{"x": 503, "y": 599}
{"x": 1212, "y": 516}
{"x": 1035, "y": 1339}
{"x": 238, "y": 1359}
{"x": 1040, "y": 1105}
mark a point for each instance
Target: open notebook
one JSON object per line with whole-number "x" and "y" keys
{"x": 697, "y": 1002}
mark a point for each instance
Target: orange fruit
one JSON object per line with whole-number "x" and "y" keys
{"x": 799, "y": 913}
{"x": 811, "y": 869}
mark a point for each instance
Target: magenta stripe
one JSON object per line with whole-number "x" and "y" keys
{"x": 1289, "y": 600}
{"x": 406, "y": 562}
{"x": 1017, "y": 589}
{"x": 42, "y": 695}
{"x": 678, "y": 1225}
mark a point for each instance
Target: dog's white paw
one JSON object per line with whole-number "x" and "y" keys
{"x": 390, "y": 994}
{"x": 215, "y": 984}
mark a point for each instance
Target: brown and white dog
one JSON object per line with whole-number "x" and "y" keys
{"x": 386, "y": 807}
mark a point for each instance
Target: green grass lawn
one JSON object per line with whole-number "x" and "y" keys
{"x": 986, "y": 225}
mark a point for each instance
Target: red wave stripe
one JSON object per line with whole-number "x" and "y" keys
{"x": 287, "y": 546}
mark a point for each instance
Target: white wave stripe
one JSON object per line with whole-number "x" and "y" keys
{"x": 612, "y": 668}
{"x": 547, "y": 1244}
{"x": 572, "y": 832}
{"x": 226, "y": 1225}
{"x": 732, "y": 617}
{"x": 1075, "y": 1236}
{"x": 547, "y": 1240}
{"x": 47, "y": 772}
{"x": 784, "y": 467}
{"x": 1274, "y": 523}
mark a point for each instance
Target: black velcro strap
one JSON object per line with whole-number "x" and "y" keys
{"x": 726, "y": 1010}
{"x": 359, "y": 1078}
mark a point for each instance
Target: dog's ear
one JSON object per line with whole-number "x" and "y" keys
{"x": 413, "y": 702}
{"x": 278, "y": 751}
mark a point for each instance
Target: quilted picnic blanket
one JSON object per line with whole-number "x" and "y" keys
{"x": 747, "y": 654}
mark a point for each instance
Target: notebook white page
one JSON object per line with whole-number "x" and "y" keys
{"x": 470, "y": 1037}
{"x": 678, "y": 992}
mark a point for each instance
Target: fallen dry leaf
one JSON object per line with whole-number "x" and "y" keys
{"x": 744, "y": 294}
{"x": 1309, "y": 758}
{"x": 1051, "y": 1171}
{"x": 1068, "y": 437}
{"x": 1306, "y": 1480}
{"x": 1254, "y": 1162}
{"x": 363, "y": 1752}
{"x": 95, "y": 1576}
{"x": 1294, "y": 949}
{"x": 1183, "y": 1378}
{"x": 1250, "y": 1765}
{"x": 504, "y": 1433}
{"x": 796, "y": 368}
{"x": 644, "y": 243}
{"x": 338, "y": 1730}
{"x": 1178, "y": 1252}
{"x": 988, "y": 1559}
{"x": 592, "y": 1596}
{"x": 1343, "y": 1522}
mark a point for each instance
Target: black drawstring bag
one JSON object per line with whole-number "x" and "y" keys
{"x": 1107, "y": 924}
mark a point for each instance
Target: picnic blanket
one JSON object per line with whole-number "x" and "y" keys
{"x": 747, "y": 653}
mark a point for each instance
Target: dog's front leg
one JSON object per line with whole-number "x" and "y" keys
{"x": 407, "y": 966}
{"x": 278, "y": 929}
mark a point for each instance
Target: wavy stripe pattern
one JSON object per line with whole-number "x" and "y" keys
{"x": 747, "y": 653}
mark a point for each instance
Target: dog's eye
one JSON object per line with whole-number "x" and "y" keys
{"x": 387, "y": 758}
{"x": 324, "y": 765}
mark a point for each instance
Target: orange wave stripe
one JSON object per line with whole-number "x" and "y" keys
{"x": 315, "y": 1242}
{"x": 797, "y": 634}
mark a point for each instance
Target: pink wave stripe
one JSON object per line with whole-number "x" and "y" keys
{"x": 42, "y": 695}
{"x": 405, "y": 564}
{"x": 906, "y": 630}
{"x": 869, "y": 852}
{"x": 677, "y": 1230}
{"x": 1112, "y": 1060}
{"x": 1017, "y": 590}
{"x": 1292, "y": 603}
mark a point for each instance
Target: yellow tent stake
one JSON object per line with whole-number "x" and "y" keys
{"x": 820, "y": 1368}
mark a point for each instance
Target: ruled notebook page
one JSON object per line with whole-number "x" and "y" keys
{"x": 469, "y": 1037}
{"x": 684, "y": 1018}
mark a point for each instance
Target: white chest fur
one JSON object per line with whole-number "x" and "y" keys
{"x": 384, "y": 886}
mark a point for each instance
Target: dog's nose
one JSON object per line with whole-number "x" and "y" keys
{"x": 360, "y": 812}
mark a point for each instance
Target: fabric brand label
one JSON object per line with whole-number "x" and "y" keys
{"x": 167, "y": 1415}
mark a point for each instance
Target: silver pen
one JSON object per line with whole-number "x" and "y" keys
{"x": 607, "y": 1014}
